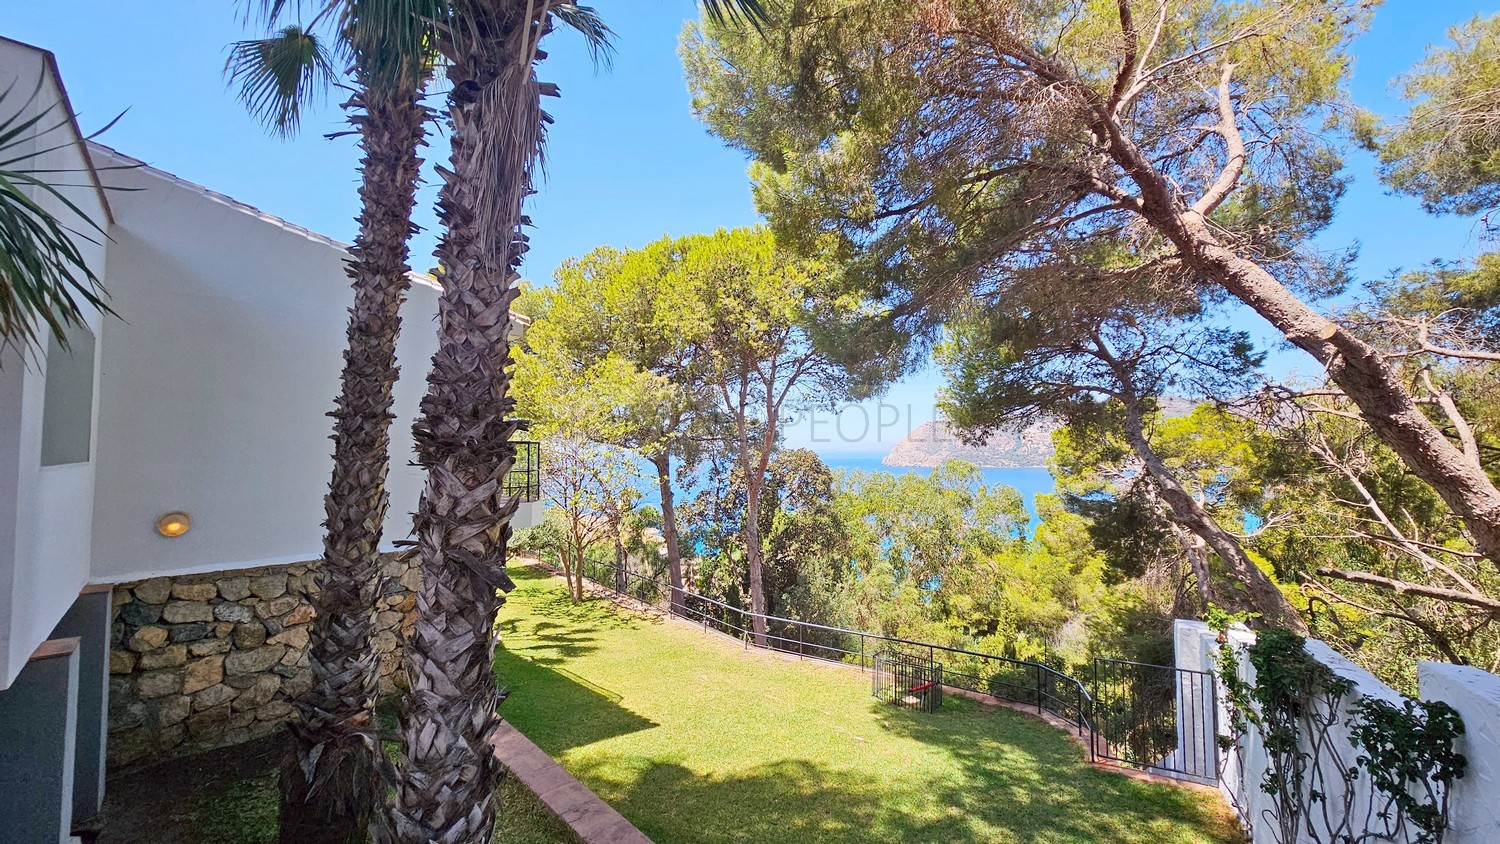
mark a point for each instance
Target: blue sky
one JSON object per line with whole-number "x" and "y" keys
{"x": 627, "y": 163}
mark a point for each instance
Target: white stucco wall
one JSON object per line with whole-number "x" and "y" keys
{"x": 216, "y": 382}
{"x": 210, "y": 389}
{"x": 45, "y": 512}
{"x": 1475, "y": 694}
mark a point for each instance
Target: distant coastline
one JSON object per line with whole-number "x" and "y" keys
{"x": 934, "y": 443}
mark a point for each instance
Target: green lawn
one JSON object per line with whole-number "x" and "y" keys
{"x": 695, "y": 739}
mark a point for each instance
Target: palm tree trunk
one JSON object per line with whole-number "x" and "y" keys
{"x": 446, "y": 779}
{"x": 330, "y": 785}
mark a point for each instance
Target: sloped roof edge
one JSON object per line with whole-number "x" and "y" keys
{"x": 243, "y": 207}
{"x": 50, "y": 60}
{"x": 133, "y": 163}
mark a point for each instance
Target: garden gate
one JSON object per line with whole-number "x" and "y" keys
{"x": 908, "y": 680}
{"x": 1159, "y": 718}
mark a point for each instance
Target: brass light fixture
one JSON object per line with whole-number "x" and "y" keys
{"x": 173, "y": 524}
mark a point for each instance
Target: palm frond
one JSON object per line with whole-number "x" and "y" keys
{"x": 392, "y": 42}
{"x": 44, "y": 277}
{"x": 596, "y": 34}
{"x": 270, "y": 12}
{"x": 280, "y": 75}
{"x": 752, "y": 12}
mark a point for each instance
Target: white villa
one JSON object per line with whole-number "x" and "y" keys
{"x": 162, "y": 477}
{"x": 204, "y": 402}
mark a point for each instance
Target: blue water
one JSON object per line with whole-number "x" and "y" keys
{"x": 1029, "y": 482}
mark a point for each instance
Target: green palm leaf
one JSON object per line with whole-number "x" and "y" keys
{"x": 752, "y": 12}
{"x": 596, "y": 34}
{"x": 281, "y": 75}
{"x": 44, "y": 278}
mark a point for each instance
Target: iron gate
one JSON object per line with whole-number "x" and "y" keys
{"x": 909, "y": 680}
{"x": 1156, "y": 717}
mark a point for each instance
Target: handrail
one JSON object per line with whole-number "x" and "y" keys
{"x": 1048, "y": 689}
{"x": 524, "y": 480}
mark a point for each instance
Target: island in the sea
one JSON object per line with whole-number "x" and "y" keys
{"x": 934, "y": 443}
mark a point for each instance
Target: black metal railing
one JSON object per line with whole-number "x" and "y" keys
{"x": 1015, "y": 680}
{"x": 1157, "y": 717}
{"x": 524, "y": 480}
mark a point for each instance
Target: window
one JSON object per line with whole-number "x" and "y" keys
{"x": 68, "y": 403}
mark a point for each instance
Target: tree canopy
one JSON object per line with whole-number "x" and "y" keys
{"x": 1446, "y": 151}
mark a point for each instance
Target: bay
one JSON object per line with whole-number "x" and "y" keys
{"x": 1030, "y": 482}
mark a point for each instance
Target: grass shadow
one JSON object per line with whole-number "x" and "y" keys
{"x": 540, "y": 690}
{"x": 712, "y": 743}
{"x": 1043, "y": 778}
{"x": 791, "y": 800}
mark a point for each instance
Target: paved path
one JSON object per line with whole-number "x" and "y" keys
{"x": 592, "y": 820}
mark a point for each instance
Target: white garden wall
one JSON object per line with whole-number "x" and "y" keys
{"x": 1475, "y": 694}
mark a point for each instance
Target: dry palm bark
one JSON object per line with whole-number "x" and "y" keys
{"x": 446, "y": 778}
{"x": 329, "y": 785}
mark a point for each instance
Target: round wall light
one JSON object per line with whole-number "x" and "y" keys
{"x": 173, "y": 524}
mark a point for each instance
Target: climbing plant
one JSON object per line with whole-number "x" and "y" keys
{"x": 1396, "y": 788}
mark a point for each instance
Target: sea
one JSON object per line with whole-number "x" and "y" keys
{"x": 1030, "y": 482}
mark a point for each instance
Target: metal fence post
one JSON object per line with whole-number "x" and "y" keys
{"x": 1038, "y": 687}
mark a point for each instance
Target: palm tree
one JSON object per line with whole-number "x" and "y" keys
{"x": 447, "y": 776}
{"x": 43, "y": 275}
{"x": 330, "y": 783}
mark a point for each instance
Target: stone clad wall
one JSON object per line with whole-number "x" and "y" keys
{"x": 204, "y": 660}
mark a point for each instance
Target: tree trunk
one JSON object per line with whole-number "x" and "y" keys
{"x": 1261, "y": 594}
{"x": 568, "y": 568}
{"x": 1357, "y": 368}
{"x": 330, "y": 785}
{"x": 663, "y": 464}
{"x": 445, "y": 784}
{"x": 753, "y": 563}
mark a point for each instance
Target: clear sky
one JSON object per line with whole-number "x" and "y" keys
{"x": 627, "y": 163}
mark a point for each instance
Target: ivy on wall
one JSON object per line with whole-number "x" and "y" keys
{"x": 1403, "y": 756}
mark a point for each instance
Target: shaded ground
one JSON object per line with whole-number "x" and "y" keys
{"x": 695, "y": 739}
{"x": 229, "y": 796}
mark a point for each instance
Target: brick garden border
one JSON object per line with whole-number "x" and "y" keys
{"x": 590, "y": 818}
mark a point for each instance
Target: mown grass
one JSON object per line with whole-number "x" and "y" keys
{"x": 695, "y": 739}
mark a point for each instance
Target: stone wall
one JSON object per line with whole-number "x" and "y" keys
{"x": 204, "y": 660}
